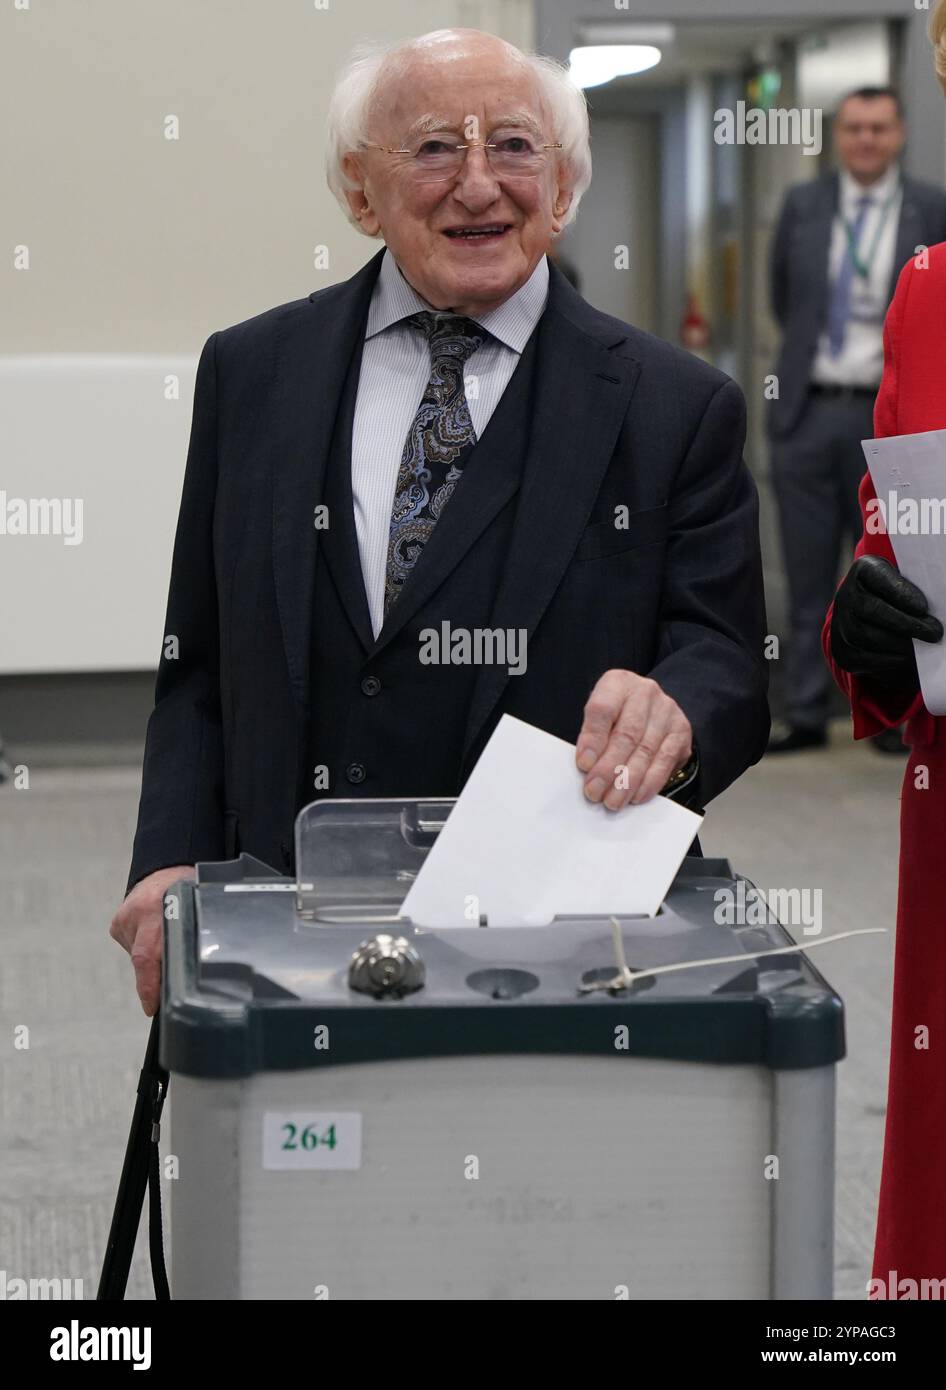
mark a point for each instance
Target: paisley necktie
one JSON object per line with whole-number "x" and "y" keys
{"x": 440, "y": 436}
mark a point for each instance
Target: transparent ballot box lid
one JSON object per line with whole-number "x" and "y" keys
{"x": 356, "y": 859}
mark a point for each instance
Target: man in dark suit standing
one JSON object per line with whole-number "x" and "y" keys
{"x": 839, "y": 247}
{"x": 451, "y": 445}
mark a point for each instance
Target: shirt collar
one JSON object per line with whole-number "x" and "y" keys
{"x": 852, "y": 191}
{"x": 511, "y": 322}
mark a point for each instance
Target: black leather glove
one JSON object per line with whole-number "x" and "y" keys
{"x": 877, "y": 614}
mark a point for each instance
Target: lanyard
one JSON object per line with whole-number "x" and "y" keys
{"x": 862, "y": 267}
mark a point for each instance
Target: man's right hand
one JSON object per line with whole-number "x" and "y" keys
{"x": 877, "y": 614}
{"x": 137, "y": 925}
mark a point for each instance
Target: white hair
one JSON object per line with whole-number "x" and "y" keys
{"x": 357, "y": 88}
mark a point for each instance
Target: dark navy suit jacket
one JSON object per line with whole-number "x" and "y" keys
{"x": 799, "y": 287}
{"x": 620, "y": 419}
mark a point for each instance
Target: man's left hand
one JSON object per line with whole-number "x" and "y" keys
{"x": 633, "y": 739}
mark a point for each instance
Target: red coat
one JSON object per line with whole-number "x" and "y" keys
{"x": 911, "y": 1222}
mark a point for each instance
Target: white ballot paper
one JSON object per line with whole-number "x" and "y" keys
{"x": 909, "y": 476}
{"x": 522, "y": 843}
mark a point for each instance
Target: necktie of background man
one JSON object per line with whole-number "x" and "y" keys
{"x": 440, "y": 437}
{"x": 840, "y": 306}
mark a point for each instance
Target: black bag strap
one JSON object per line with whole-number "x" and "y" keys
{"x": 159, "y": 1276}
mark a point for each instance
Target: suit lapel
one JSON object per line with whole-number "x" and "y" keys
{"x": 340, "y": 542}
{"x": 315, "y": 346}
{"x": 582, "y": 395}
{"x": 909, "y": 236}
{"x": 818, "y": 235}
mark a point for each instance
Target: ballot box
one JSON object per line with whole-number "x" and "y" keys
{"x": 362, "y": 1109}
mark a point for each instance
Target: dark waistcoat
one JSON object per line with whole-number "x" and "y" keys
{"x": 383, "y": 722}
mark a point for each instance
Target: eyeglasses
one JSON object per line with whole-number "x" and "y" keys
{"x": 439, "y": 156}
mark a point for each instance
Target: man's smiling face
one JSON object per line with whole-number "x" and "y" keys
{"x": 469, "y": 240}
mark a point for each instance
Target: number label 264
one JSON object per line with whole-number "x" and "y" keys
{"x": 308, "y": 1138}
{"x": 312, "y": 1139}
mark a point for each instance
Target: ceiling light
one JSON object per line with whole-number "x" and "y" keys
{"x": 596, "y": 64}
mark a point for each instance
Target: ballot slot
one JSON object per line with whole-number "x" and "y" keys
{"x": 551, "y": 852}
{"x": 357, "y": 858}
{"x": 444, "y": 863}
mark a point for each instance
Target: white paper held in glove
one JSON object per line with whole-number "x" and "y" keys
{"x": 909, "y": 476}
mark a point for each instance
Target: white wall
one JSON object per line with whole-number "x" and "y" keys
{"x": 101, "y": 441}
{"x": 839, "y": 61}
{"x": 142, "y": 244}
{"x": 621, "y": 208}
{"x": 138, "y": 249}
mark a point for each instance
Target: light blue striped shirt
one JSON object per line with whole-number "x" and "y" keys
{"x": 395, "y": 369}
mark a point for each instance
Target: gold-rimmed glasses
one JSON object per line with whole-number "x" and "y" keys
{"x": 438, "y": 155}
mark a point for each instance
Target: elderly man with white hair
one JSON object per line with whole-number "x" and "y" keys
{"x": 446, "y": 489}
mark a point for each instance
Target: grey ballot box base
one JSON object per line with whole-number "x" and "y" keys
{"x": 501, "y": 1132}
{"x": 595, "y": 1178}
